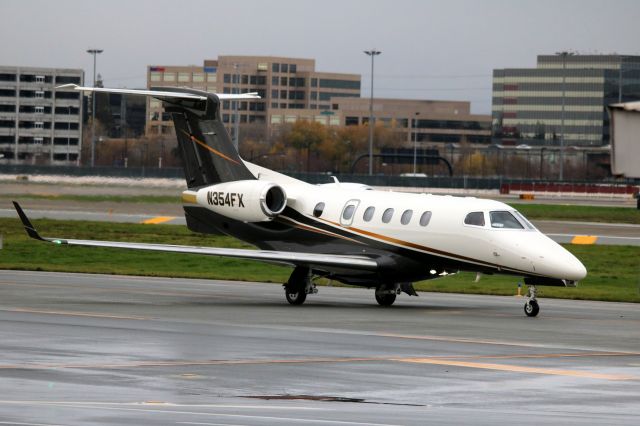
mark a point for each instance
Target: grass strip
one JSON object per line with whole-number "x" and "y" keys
{"x": 614, "y": 271}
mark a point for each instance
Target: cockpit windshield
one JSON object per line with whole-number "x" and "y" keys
{"x": 504, "y": 220}
{"x": 523, "y": 219}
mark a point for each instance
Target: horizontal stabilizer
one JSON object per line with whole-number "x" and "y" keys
{"x": 162, "y": 94}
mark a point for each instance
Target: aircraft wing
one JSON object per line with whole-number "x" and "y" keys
{"x": 290, "y": 258}
{"x": 161, "y": 94}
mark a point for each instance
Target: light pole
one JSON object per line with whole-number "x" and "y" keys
{"x": 93, "y": 52}
{"x": 564, "y": 75}
{"x": 373, "y": 53}
{"x": 542, "y": 150}
{"x": 236, "y": 108}
{"x": 415, "y": 143}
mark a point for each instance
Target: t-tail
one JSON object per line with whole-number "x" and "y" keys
{"x": 208, "y": 155}
{"x": 219, "y": 184}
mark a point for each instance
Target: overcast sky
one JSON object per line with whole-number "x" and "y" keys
{"x": 431, "y": 49}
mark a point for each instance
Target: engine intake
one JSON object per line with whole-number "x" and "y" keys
{"x": 273, "y": 200}
{"x": 244, "y": 200}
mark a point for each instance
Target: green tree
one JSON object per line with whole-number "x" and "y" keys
{"x": 306, "y": 135}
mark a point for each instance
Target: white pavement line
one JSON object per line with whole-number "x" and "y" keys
{"x": 29, "y": 424}
{"x": 613, "y": 225}
{"x": 210, "y": 424}
{"x": 206, "y": 414}
{"x": 599, "y": 236}
{"x": 160, "y": 404}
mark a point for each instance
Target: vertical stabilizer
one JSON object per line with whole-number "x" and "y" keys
{"x": 208, "y": 155}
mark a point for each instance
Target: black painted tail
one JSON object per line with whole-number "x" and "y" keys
{"x": 208, "y": 155}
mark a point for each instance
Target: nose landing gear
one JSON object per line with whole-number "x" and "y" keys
{"x": 531, "y": 308}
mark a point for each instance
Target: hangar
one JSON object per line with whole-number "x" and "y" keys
{"x": 625, "y": 139}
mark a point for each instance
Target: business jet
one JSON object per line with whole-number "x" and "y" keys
{"x": 346, "y": 232}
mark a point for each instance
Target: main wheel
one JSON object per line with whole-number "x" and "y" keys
{"x": 385, "y": 299}
{"x": 531, "y": 308}
{"x": 295, "y": 297}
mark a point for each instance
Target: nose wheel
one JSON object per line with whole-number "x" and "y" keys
{"x": 531, "y": 308}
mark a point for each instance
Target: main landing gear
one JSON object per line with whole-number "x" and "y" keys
{"x": 386, "y": 296}
{"x": 531, "y": 308}
{"x": 299, "y": 285}
{"x": 386, "y": 293}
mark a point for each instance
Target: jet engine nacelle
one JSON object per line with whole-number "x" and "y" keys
{"x": 244, "y": 200}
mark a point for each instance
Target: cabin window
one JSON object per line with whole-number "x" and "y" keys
{"x": 504, "y": 220}
{"x": 347, "y": 214}
{"x": 406, "y": 217}
{"x": 318, "y": 209}
{"x": 387, "y": 215}
{"x": 474, "y": 218}
{"x": 368, "y": 213}
{"x": 425, "y": 218}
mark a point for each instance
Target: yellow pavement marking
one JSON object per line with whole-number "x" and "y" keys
{"x": 158, "y": 219}
{"x": 74, "y": 314}
{"x": 565, "y": 355}
{"x": 460, "y": 340}
{"x": 518, "y": 369}
{"x": 448, "y": 361}
{"x": 584, "y": 239}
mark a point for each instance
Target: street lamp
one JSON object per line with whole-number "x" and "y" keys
{"x": 236, "y": 105}
{"x": 564, "y": 75}
{"x": 93, "y": 52}
{"x": 373, "y": 53}
{"x": 415, "y": 143}
{"x": 542, "y": 150}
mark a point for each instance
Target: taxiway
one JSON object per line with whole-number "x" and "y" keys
{"x": 79, "y": 349}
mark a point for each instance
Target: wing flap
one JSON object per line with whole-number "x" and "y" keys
{"x": 289, "y": 258}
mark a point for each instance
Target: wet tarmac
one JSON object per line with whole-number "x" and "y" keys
{"x": 80, "y": 349}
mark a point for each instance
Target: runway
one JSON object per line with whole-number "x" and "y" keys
{"x": 82, "y": 349}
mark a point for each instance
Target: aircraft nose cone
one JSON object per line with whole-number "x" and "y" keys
{"x": 567, "y": 266}
{"x": 575, "y": 269}
{"x": 555, "y": 261}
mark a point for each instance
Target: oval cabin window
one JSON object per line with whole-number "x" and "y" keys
{"x": 318, "y": 209}
{"x": 425, "y": 218}
{"x": 406, "y": 217}
{"x": 387, "y": 215}
{"x": 368, "y": 213}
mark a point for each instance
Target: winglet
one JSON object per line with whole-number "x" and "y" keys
{"x": 27, "y": 223}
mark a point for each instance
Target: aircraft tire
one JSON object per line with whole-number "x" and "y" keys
{"x": 531, "y": 308}
{"x": 385, "y": 299}
{"x": 295, "y": 297}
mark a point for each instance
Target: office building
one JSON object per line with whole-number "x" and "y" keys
{"x": 39, "y": 124}
{"x": 282, "y": 83}
{"x": 423, "y": 121}
{"x": 566, "y": 94}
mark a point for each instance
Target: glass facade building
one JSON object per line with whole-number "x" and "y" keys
{"x": 564, "y": 95}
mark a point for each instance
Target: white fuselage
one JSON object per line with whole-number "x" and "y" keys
{"x": 517, "y": 250}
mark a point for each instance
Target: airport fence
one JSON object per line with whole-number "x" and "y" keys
{"x": 453, "y": 182}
